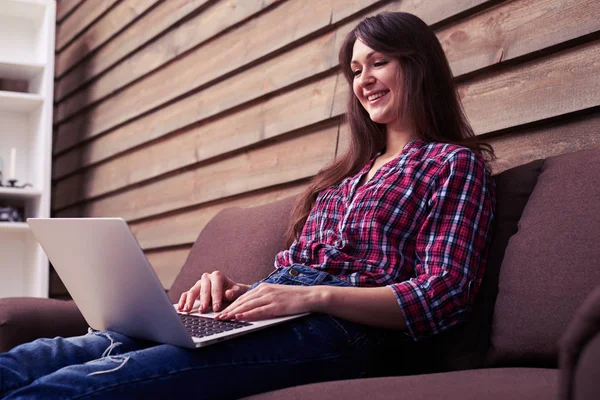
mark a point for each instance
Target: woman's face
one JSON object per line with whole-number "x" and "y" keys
{"x": 376, "y": 83}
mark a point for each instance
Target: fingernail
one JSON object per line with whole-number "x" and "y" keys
{"x": 216, "y": 307}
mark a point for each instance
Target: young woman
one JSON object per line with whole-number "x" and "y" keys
{"x": 388, "y": 245}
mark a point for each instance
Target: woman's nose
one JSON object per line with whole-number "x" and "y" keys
{"x": 366, "y": 79}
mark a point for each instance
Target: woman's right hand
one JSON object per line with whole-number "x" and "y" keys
{"x": 212, "y": 290}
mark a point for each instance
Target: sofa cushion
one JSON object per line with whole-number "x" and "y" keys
{"x": 551, "y": 263}
{"x": 240, "y": 242}
{"x": 466, "y": 345}
{"x": 489, "y": 384}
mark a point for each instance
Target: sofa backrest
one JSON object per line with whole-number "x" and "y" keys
{"x": 550, "y": 264}
{"x": 240, "y": 242}
{"x": 544, "y": 258}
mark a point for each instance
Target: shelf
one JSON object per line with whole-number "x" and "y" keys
{"x": 30, "y": 9}
{"x": 13, "y": 193}
{"x": 13, "y": 101}
{"x": 27, "y": 37}
{"x": 23, "y": 27}
{"x": 19, "y": 69}
{"x": 14, "y": 227}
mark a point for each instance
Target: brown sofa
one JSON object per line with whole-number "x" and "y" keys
{"x": 535, "y": 329}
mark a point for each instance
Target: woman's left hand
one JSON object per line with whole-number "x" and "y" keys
{"x": 269, "y": 300}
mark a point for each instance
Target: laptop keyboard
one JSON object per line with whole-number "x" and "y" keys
{"x": 203, "y": 326}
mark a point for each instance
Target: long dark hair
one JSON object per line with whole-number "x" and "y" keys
{"x": 429, "y": 99}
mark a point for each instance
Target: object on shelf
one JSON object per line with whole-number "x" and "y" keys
{"x": 13, "y": 163}
{"x": 10, "y": 214}
{"x": 12, "y": 183}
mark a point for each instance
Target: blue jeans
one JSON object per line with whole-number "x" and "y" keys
{"x": 110, "y": 365}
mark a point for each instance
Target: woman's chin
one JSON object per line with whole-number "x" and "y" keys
{"x": 380, "y": 119}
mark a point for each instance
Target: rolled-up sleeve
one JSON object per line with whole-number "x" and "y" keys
{"x": 451, "y": 246}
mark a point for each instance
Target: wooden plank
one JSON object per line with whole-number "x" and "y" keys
{"x": 564, "y": 82}
{"x": 245, "y": 44}
{"x": 237, "y": 90}
{"x": 269, "y": 118}
{"x": 158, "y": 52}
{"x": 64, "y": 8}
{"x": 343, "y": 141}
{"x": 521, "y": 147}
{"x": 84, "y": 126}
{"x": 167, "y": 263}
{"x": 516, "y": 28}
{"x": 81, "y": 19}
{"x": 184, "y": 226}
{"x": 288, "y": 160}
{"x": 115, "y": 20}
{"x": 187, "y": 36}
{"x": 340, "y": 99}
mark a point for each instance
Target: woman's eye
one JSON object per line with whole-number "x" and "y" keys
{"x": 356, "y": 73}
{"x": 380, "y": 63}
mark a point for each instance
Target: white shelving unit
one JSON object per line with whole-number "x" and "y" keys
{"x": 26, "y": 55}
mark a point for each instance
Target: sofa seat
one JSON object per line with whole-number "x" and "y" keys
{"x": 489, "y": 384}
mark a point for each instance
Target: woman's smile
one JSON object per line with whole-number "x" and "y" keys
{"x": 373, "y": 98}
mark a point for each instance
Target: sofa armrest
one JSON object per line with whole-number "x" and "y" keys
{"x": 586, "y": 385}
{"x": 26, "y": 319}
{"x": 580, "y": 352}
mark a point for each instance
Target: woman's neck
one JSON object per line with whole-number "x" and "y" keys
{"x": 397, "y": 138}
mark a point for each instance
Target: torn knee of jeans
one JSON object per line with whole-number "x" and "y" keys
{"x": 121, "y": 360}
{"x": 113, "y": 344}
{"x": 106, "y": 355}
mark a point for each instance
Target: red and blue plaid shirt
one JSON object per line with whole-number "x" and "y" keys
{"x": 421, "y": 226}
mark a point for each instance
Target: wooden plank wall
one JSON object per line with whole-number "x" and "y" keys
{"x": 168, "y": 111}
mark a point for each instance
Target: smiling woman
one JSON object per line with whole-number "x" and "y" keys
{"x": 388, "y": 245}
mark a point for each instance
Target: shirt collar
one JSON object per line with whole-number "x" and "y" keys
{"x": 408, "y": 148}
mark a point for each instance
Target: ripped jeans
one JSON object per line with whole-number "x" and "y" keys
{"x": 106, "y": 364}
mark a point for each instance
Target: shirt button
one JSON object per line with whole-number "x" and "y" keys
{"x": 293, "y": 272}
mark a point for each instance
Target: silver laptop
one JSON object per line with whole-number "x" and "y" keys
{"x": 113, "y": 284}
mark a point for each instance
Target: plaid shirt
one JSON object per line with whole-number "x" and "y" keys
{"x": 420, "y": 226}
